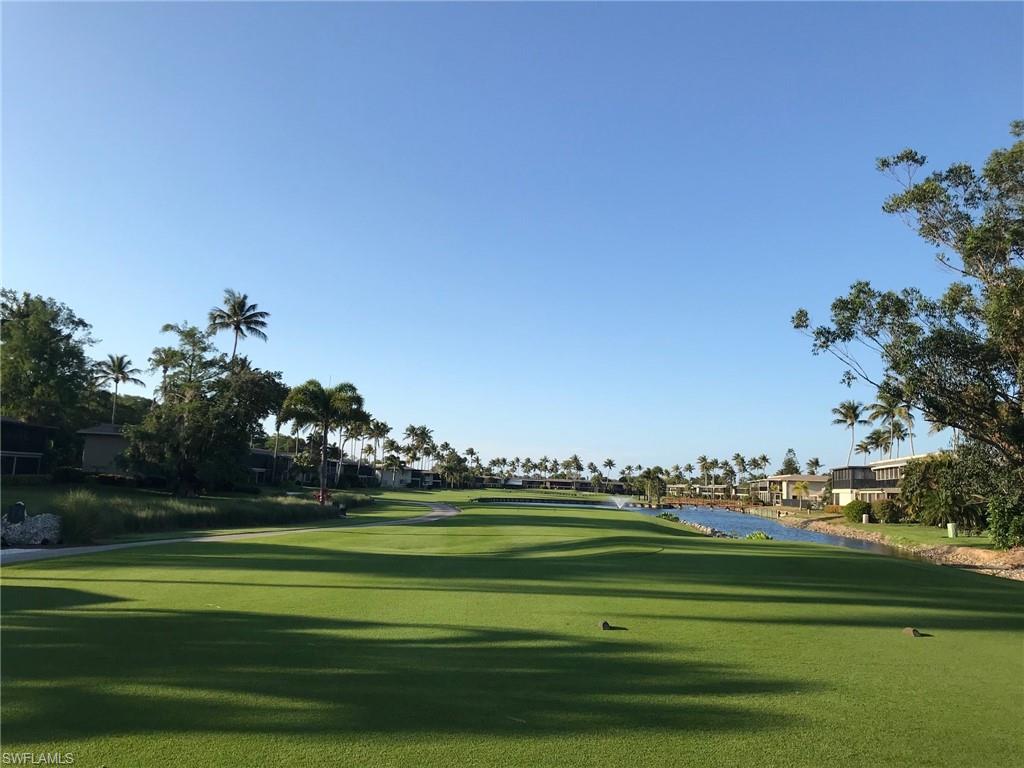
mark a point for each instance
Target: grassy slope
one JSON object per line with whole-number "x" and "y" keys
{"x": 475, "y": 641}
{"x": 912, "y": 534}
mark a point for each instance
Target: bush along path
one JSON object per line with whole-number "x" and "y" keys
{"x": 11, "y": 556}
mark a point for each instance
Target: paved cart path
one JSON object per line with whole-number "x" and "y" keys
{"x": 22, "y": 555}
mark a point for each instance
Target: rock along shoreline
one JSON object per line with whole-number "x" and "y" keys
{"x": 1008, "y": 564}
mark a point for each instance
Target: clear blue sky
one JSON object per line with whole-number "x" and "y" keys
{"x": 539, "y": 229}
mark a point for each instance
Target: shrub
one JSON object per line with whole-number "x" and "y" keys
{"x": 84, "y": 517}
{"x": 1006, "y": 519}
{"x": 669, "y": 516}
{"x": 833, "y": 509}
{"x": 758, "y": 536}
{"x": 855, "y": 510}
{"x": 886, "y": 511}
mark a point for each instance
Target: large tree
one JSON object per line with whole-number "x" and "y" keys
{"x": 958, "y": 357}
{"x": 198, "y": 436}
{"x": 45, "y": 373}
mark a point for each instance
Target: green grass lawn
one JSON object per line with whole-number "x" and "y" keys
{"x": 910, "y": 534}
{"x": 475, "y": 641}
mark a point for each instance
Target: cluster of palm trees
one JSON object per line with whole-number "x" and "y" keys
{"x": 237, "y": 315}
{"x": 894, "y": 417}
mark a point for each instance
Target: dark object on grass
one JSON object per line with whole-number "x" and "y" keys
{"x": 16, "y": 514}
{"x": 911, "y": 632}
{"x": 606, "y": 625}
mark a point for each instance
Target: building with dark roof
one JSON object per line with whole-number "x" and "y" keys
{"x": 22, "y": 446}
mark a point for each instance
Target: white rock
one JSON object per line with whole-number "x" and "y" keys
{"x": 33, "y": 531}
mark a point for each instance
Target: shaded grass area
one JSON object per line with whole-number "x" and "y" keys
{"x": 95, "y": 513}
{"x": 476, "y": 641}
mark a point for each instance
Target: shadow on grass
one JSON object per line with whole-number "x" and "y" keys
{"x": 93, "y": 672}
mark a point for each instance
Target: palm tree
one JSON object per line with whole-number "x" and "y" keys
{"x": 801, "y": 489}
{"x": 704, "y": 467}
{"x": 898, "y": 432}
{"x": 609, "y": 464}
{"x": 864, "y": 448}
{"x": 740, "y": 463}
{"x": 889, "y": 411}
{"x": 311, "y": 405}
{"x": 813, "y": 466}
{"x": 163, "y": 359}
{"x": 849, "y": 414}
{"x": 880, "y": 441}
{"x": 116, "y": 370}
{"x": 239, "y": 316}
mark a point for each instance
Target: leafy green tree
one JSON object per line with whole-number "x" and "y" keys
{"x": 117, "y": 370}
{"x": 45, "y": 373}
{"x": 198, "y": 437}
{"x": 941, "y": 489}
{"x": 240, "y": 317}
{"x": 790, "y": 465}
{"x": 955, "y": 357}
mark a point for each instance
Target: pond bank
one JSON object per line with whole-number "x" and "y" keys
{"x": 1008, "y": 564}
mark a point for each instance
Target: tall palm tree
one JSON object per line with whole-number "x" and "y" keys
{"x": 898, "y": 432}
{"x": 379, "y": 430}
{"x": 609, "y": 464}
{"x": 116, "y": 370}
{"x": 850, "y": 414}
{"x": 313, "y": 405}
{"x": 864, "y": 448}
{"x": 239, "y": 316}
{"x": 704, "y": 467}
{"x": 163, "y": 359}
{"x": 889, "y": 410}
{"x": 813, "y": 466}
{"x": 740, "y": 463}
{"x": 879, "y": 440}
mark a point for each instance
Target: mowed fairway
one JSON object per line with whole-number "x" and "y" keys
{"x": 475, "y": 641}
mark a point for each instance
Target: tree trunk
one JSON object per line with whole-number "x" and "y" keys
{"x": 323, "y": 465}
{"x": 234, "y": 348}
{"x": 113, "y": 409}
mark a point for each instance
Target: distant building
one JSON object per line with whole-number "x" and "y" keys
{"x": 22, "y": 446}
{"x": 101, "y": 446}
{"x": 870, "y": 482}
{"x": 782, "y": 489}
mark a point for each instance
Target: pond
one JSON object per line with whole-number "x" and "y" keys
{"x": 739, "y": 524}
{"x": 735, "y": 523}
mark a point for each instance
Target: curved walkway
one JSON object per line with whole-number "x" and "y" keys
{"x": 10, "y": 556}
